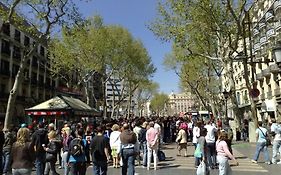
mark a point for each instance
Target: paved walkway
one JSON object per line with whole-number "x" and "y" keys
{"x": 185, "y": 165}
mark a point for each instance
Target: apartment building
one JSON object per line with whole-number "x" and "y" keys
{"x": 37, "y": 85}
{"x": 180, "y": 103}
{"x": 265, "y": 32}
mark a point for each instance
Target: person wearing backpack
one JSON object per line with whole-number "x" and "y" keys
{"x": 100, "y": 152}
{"x": 76, "y": 157}
{"x": 39, "y": 138}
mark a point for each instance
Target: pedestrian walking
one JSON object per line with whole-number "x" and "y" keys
{"x": 66, "y": 139}
{"x": 201, "y": 148}
{"x": 9, "y": 139}
{"x": 182, "y": 141}
{"x": 276, "y": 145}
{"x": 40, "y": 138}
{"x": 115, "y": 143}
{"x": 223, "y": 154}
{"x": 51, "y": 154}
{"x": 152, "y": 145}
{"x": 143, "y": 143}
{"x": 76, "y": 157}
{"x": 261, "y": 136}
{"x": 128, "y": 150}
{"x": 22, "y": 153}
{"x": 100, "y": 152}
{"x": 211, "y": 147}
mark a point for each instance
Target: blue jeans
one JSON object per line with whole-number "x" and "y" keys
{"x": 261, "y": 146}
{"x": 276, "y": 148}
{"x": 224, "y": 167}
{"x": 128, "y": 158}
{"x": 40, "y": 163}
{"x": 6, "y": 161}
{"x": 21, "y": 171}
{"x": 100, "y": 169}
{"x": 144, "y": 151}
{"x": 64, "y": 163}
{"x": 211, "y": 154}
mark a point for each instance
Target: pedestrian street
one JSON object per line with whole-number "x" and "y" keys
{"x": 185, "y": 165}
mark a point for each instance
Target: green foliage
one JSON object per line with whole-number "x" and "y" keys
{"x": 110, "y": 50}
{"x": 200, "y": 30}
{"x": 159, "y": 102}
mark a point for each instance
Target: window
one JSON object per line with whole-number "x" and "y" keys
{"x": 238, "y": 98}
{"x": 5, "y": 67}
{"x": 26, "y": 40}
{"x": 42, "y": 51}
{"x": 15, "y": 70}
{"x": 34, "y": 61}
{"x": 6, "y": 29}
{"x": 16, "y": 53}
{"x": 5, "y": 48}
{"x": 17, "y": 35}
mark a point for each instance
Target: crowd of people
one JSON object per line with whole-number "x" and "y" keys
{"x": 120, "y": 143}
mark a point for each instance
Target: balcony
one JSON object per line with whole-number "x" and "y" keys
{"x": 262, "y": 96}
{"x": 277, "y": 5}
{"x": 266, "y": 72}
{"x": 269, "y": 15}
{"x": 263, "y": 40}
{"x": 259, "y": 76}
{"x": 274, "y": 68}
{"x": 255, "y": 32}
{"x": 270, "y": 33}
{"x": 257, "y": 47}
{"x": 277, "y": 26}
{"x": 269, "y": 95}
{"x": 277, "y": 92}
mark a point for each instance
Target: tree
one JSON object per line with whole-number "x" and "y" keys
{"x": 159, "y": 103}
{"x": 110, "y": 51}
{"x": 206, "y": 29}
{"x": 144, "y": 93}
{"x": 44, "y": 16}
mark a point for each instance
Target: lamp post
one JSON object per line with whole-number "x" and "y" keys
{"x": 226, "y": 94}
{"x": 276, "y": 52}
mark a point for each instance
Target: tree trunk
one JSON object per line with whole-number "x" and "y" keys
{"x": 14, "y": 91}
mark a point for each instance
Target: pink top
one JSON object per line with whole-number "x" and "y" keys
{"x": 222, "y": 149}
{"x": 151, "y": 136}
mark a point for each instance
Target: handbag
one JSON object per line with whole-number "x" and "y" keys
{"x": 198, "y": 152}
{"x": 268, "y": 141}
{"x": 202, "y": 169}
{"x": 50, "y": 157}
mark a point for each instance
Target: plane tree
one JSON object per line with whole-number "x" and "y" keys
{"x": 38, "y": 19}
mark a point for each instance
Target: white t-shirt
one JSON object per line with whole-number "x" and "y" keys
{"x": 114, "y": 139}
{"x": 211, "y": 130}
{"x": 196, "y": 134}
{"x": 277, "y": 129}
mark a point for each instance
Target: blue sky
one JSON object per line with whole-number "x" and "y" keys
{"x": 135, "y": 15}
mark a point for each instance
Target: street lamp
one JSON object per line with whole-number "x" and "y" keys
{"x": 226, "y": 94}
{"x": 277, "y": 53}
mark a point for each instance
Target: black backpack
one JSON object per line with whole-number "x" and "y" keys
{"x": 76, "y": 147}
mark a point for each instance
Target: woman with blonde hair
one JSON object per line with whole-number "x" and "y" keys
{"x": 66, "y": 139}
{"x": 22, "y": 153}
{"x": 223, "y": 154}
{"x": 51, "y": 154}
{"x": 114, "y": 141}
